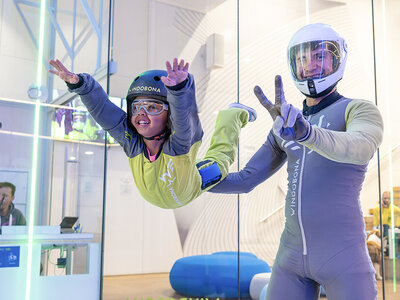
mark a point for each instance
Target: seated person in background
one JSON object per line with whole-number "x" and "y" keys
{"x": 386, "y": 212}
{"x": 8, "y": 212}
{"x": 387, "y": 218}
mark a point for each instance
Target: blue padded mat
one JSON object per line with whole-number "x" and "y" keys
{"x": 215, "y": 275}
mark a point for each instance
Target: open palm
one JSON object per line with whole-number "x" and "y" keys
{"x": 62, "y": 72}
{"x": 177, "y": 73}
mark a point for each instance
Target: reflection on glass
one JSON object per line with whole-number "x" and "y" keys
{"x": 64, "y": 259}
{"x": 73, "y": 122}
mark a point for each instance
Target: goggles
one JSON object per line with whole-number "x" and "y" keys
{"x": 151, "y": 106}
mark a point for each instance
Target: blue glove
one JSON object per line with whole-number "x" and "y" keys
{"x": 289, "y": 123}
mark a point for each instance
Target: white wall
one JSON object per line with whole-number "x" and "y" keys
{"x": 139, "y": 237}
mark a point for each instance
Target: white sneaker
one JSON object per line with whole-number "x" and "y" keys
{"x": 252, "y": 112}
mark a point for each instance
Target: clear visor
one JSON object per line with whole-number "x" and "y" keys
{"x": 150, "y": 106}
{"x": 314, "y": 60}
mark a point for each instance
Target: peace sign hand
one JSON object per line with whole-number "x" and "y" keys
{"x": 176, "y": 73}
{"x": 62, "y": 72}
{"x": 273, "y": 109}
{"x": 289, "y": 123}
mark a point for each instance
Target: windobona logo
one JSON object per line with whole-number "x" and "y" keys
{"x": 145, "y": 88}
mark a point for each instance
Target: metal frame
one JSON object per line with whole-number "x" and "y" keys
{"x": 79, "y": 39}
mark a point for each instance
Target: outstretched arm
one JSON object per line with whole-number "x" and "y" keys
{"x": 108, "y": 115}
{"x": 186, "y": 126}
{"x": 264, "y": 163}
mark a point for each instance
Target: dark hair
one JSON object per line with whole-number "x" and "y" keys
{"x": 8, "y": 184}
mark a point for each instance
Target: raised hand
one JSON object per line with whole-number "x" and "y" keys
{"x": 62, "y": 72}
{"x": 177, "y": 73}
{"x": 289, "y": 122}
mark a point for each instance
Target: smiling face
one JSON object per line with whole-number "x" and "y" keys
{"x": 314, "y": 64}
{"x": 314, "y": 60}
{"x": 149, "y": 125}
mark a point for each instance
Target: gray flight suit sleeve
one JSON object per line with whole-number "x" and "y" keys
{"x": 186, "y": 127}
{"x": 264, "y": 163}
{"x": 110, "y": 117}
{"x": 356, "y": 145}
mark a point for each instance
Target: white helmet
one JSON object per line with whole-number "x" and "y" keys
{"x": 317, "y": 57}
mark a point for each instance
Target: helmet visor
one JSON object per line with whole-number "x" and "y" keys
{"x": 314, "y": 60}
{"x": 150, "y": 106}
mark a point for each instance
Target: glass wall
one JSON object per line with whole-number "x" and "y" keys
{"x": 52, "y": 152}
{"x": 255, "y": 36}
{"x": 56, "y": 154}
{"x": 386, "y": 26}
{"x": 370, "y": 30}
{"x": 143, "y": 241}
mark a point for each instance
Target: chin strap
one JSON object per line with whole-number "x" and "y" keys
{"x": 314, "y": 93}
{"x": 157, "y": 137}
